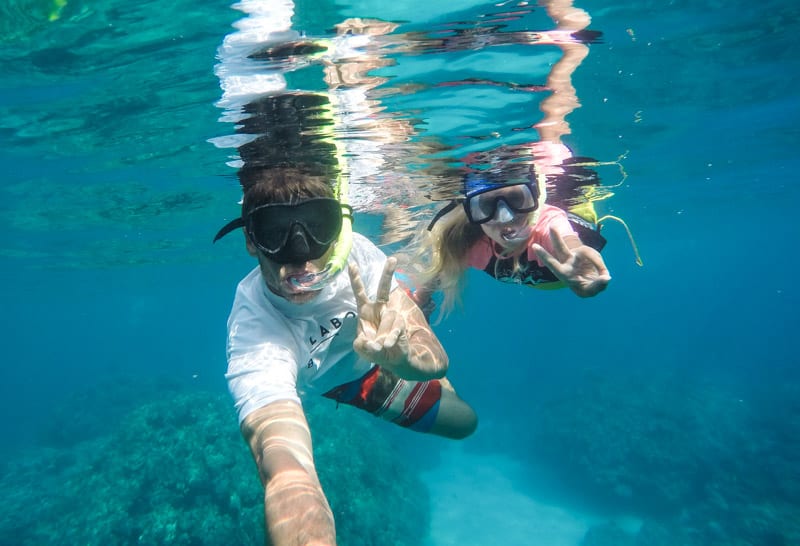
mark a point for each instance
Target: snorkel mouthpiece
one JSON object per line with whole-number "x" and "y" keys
{"x": 313, "y": 281}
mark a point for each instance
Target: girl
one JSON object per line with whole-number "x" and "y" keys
{"x": 504, "y": 227}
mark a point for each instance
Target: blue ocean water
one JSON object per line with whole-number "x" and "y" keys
{"x": 663, "y": 411}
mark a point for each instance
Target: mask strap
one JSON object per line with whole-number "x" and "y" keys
{"x": 227, "y": 228}
{"x": 444, "y": 210}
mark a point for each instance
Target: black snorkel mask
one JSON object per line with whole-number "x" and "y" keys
{"x": 291, "y": 233}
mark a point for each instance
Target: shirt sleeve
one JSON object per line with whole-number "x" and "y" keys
{"x": 264, "y": 375}
{"x": 262, "y": 356}
{"x": 480, "y": 254}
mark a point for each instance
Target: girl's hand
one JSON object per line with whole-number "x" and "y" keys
{"x": 581, "y": 268}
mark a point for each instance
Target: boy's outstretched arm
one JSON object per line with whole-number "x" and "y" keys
{"x": 297, "y": 512}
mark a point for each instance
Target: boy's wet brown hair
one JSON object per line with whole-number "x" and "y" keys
{"x": 281, "y": 185}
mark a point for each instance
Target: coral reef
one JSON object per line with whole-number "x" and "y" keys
{"x": 175, "y": 471}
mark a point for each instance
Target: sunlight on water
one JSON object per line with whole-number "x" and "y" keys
{"x": 102, "y": 90}
{"x": 410, "y": 107}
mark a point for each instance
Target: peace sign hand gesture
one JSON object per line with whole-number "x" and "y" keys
{"x": 382, "y": 336}
{"x": 581, "y": 268}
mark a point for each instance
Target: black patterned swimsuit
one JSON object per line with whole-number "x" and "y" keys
{"x": 520, "y": 270}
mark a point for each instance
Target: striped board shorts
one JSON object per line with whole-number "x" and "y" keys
{"x": 410, "y": 404}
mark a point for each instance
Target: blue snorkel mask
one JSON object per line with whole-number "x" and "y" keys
{"x": 481, "y": 198}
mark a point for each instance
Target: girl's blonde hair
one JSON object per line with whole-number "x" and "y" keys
{"x": 438, "y": 256}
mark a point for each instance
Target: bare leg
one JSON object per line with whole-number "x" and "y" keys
{"x": 456, "y": 419}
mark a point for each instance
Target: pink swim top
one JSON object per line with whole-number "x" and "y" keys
{"x": 482, "y": 252}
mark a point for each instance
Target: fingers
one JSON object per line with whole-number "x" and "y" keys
{"x": 390, "y": 329}
{"x": 602, "y": 270}
{"x": 598, "y": 265}
{"x": 590, "y": 288}
{"x": 387, "y": 344}
{"x": 360, "y": 346}
{"x": 381, "y": 329}
{"x": 547, "y": 259}
{"x": 388, "y": 335}
{"x": 385, "y": 284}
{"x": 358, "y": 286}
{"x": 560, "y": 248}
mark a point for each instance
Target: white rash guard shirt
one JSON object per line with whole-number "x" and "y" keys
{"x": 278, "y": 350}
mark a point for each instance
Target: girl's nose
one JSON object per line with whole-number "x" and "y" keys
{"x": 503, "y": 214}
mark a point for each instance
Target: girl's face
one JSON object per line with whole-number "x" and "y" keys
{"x": 511, "y": 230}
{"x": 505, "y": 214}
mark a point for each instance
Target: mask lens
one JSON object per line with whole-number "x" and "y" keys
{"x": 269, "y": 228}
{"x": 320, "y": 220}
{"x": 481, "y": 207}
{"x": 519, "y": 198}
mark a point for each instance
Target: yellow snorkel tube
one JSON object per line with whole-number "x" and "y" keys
{"x": 345, "y": 241}
{"x": 342, "y": 247}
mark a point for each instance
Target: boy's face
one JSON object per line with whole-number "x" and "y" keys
{"x": 278, "y": 277}
{"x": 293, "y": 242}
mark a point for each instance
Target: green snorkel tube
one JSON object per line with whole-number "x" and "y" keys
{"x": 55, "y": 12}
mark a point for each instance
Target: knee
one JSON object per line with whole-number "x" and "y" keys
{"x": 468, "y": 424}
{"x": 458, "y": 424}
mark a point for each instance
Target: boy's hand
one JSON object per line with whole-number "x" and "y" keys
{"x": 382, "y": 332}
